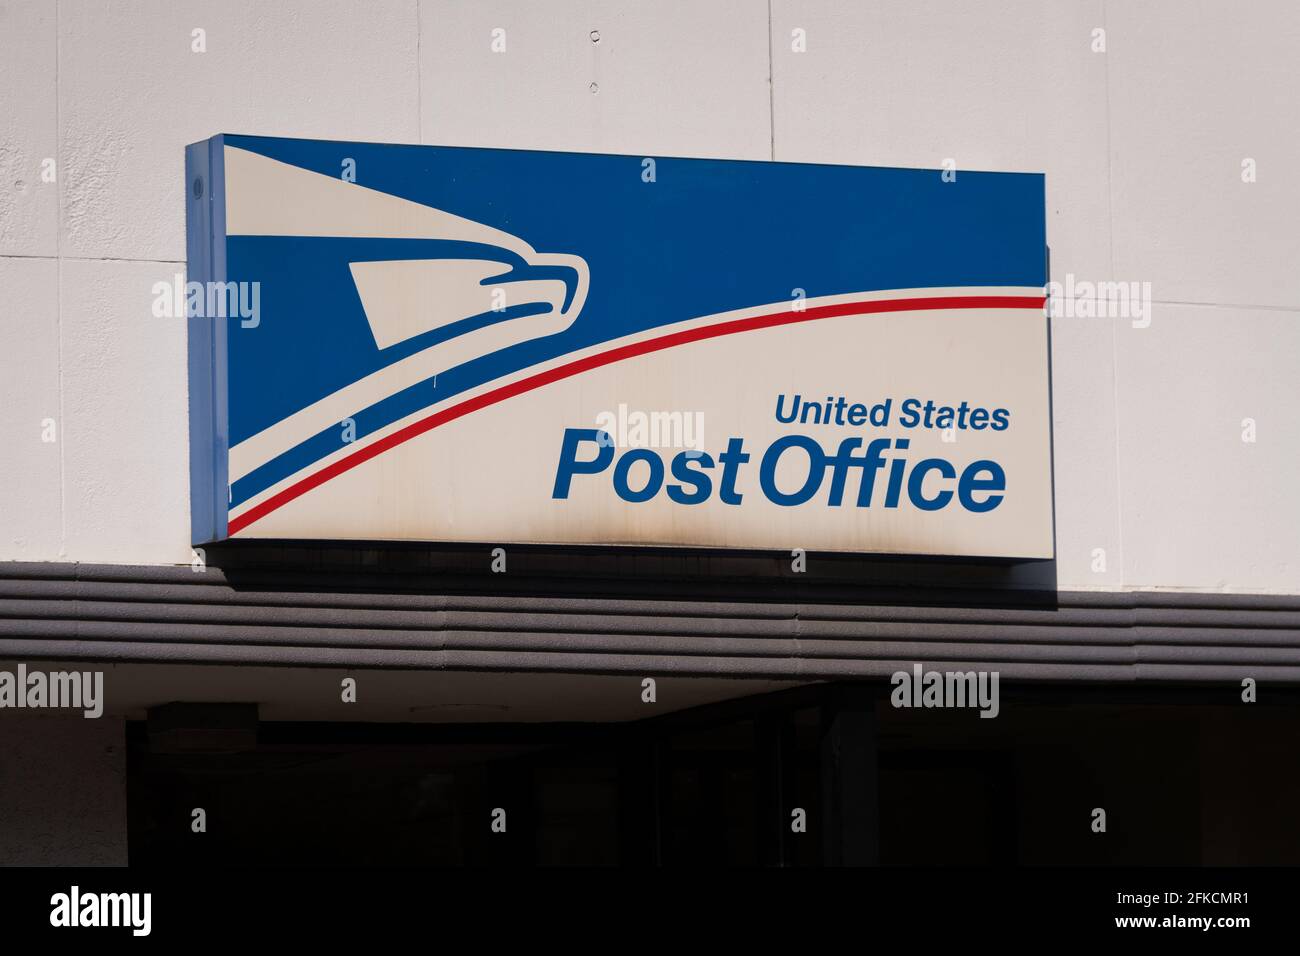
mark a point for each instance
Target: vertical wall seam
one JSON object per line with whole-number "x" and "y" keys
{"x": 59, "y": 172}
{"x": 419, "y": 78}
{"x": 1114, "y": 346}
{"x": 771, "y": 87}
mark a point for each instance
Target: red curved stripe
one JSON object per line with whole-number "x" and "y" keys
{"x": 512, "y": 389}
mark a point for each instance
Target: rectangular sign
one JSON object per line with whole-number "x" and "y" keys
{"x": 450, "y": 344}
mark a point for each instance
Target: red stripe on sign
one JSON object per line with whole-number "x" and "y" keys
{"x": 415, "y": 429}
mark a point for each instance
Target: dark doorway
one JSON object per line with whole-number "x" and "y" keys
{"x": 824, "y": 775}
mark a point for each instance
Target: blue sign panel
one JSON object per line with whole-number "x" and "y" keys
{"x": 450, "y": 344}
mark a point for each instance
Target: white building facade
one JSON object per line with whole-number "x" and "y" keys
{"x": 1175, "y": 365}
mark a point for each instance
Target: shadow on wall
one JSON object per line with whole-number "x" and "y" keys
{"x": 636, "y": 572}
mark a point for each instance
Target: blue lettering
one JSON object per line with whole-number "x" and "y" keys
{"x": 569, "y": 463}
{"x": 652, "y": 485}
{"x": 970, "y": 482}
{"x": 916, "y": 483}
{"x": 701, "y": 482}
{"x": 767, "y": 471}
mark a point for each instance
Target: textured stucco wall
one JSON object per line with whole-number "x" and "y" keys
{"x": 62, "y": 790}
{"x": 1142, "y": 146}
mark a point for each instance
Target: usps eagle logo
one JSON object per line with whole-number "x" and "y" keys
{"x": 437, "y": 289}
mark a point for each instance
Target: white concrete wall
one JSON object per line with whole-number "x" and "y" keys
{"x": 1142, "y": 146}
